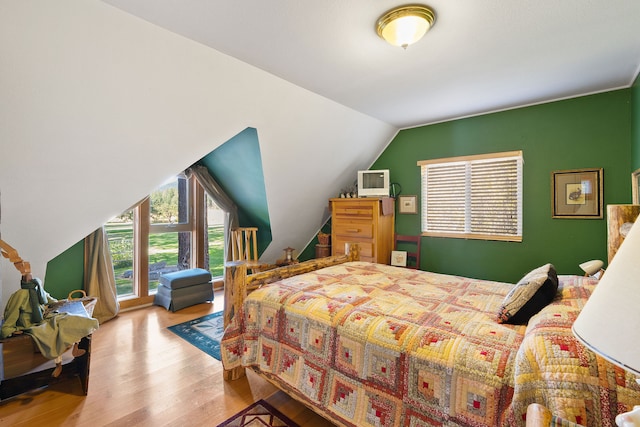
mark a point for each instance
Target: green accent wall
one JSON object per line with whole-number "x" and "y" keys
{"x": 65, "y": 273}
{"x": 635, "y": 125}
{"x": 237, "y": 166}
{"x": 588, "y": 132}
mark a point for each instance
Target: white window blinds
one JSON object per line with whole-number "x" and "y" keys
{"x": 477, "y": 197}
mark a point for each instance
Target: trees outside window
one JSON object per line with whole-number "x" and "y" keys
{"x": 177, "y": 227}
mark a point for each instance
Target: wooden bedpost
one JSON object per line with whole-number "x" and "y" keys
{"x": 617, "y": 217}
{"x": 235, "y": 291}
{"x": 538, "y": 415}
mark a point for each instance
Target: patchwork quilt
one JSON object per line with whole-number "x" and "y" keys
{"x": 553, "y": 368}
{"x": 374, "y": 345}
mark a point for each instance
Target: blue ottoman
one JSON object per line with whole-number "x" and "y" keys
{"x": 185, "y": 278}
{"x": 183, "y": 288}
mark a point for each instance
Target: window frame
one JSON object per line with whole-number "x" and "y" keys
{"x": 178, "y": 226}
{"x": 467, "y": 161}
{"x": 142, "y": 228}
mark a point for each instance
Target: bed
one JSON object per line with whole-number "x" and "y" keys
{"x": 374, "y": 345}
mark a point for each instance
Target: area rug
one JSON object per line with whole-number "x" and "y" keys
{"x": 259, "y": 414}
{"x": 204, "y": 332}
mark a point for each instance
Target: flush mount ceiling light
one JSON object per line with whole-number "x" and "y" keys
{"x": 405, "y": 25}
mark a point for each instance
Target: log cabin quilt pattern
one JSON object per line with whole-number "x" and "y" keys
{"x": 555, "y": 369}
{"x": 374, "y": 345}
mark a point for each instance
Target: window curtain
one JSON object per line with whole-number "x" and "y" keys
{"x": 99, "y": 280}
{"x": 213, "y": 189}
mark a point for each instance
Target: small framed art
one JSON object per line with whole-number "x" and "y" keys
{"x": 577, "y": 193}
{"x": 399, "y": 258}
{"x": 408, "y": 204}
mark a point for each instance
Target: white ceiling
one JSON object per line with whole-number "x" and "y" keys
{"x": 480, "y": 56}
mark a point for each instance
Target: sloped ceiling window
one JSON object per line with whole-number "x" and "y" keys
{"x": 175, "y": 228}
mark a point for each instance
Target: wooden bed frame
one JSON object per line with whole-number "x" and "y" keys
{"x": 237, "y": 283}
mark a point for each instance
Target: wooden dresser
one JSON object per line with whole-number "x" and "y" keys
{"x": 366, "y": 221}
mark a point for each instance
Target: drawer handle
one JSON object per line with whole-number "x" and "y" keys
{"x": 353, "y": 230}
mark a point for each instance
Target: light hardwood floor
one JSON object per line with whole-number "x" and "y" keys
{"x": 144, "y": 375}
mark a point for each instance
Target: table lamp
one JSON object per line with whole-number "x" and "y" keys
{"x": 592, "y": 268}
{"x": 609, "y": 323}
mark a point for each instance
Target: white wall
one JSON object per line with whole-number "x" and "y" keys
{"x": 99, "y": 107}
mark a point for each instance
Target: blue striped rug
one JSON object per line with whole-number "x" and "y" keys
{"x": 204, "y": 332}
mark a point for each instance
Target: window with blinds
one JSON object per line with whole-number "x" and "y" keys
{"x": 473, "y": 197}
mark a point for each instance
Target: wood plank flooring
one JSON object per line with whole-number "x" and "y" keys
{"x": 142, "y": 374}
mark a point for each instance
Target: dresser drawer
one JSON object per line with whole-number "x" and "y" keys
{"x": 354, "y": 211}
{"x": 354, "y": 229}
{"x": 366, "y": 248}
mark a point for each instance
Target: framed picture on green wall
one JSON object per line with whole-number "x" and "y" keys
{"x": 408, "y": 204}
{"x": 577, "y": 193}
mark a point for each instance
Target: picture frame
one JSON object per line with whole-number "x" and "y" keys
{"x": 635, "y": 185}
{"x": 577, "y": 193}
{"x": 408, "y": 204}
{"x": 399, "y": 258}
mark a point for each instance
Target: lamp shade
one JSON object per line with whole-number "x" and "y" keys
{"x": 609, "y": 323}
{"x": 591, "y": 267}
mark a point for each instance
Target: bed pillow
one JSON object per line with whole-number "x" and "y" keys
{"x": 530, "y": 295}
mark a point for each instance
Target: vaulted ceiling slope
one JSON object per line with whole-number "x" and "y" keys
{"x": 480, "y": 56}
{"x": 100, "y": 107}
{"x": 103, "y": 100}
